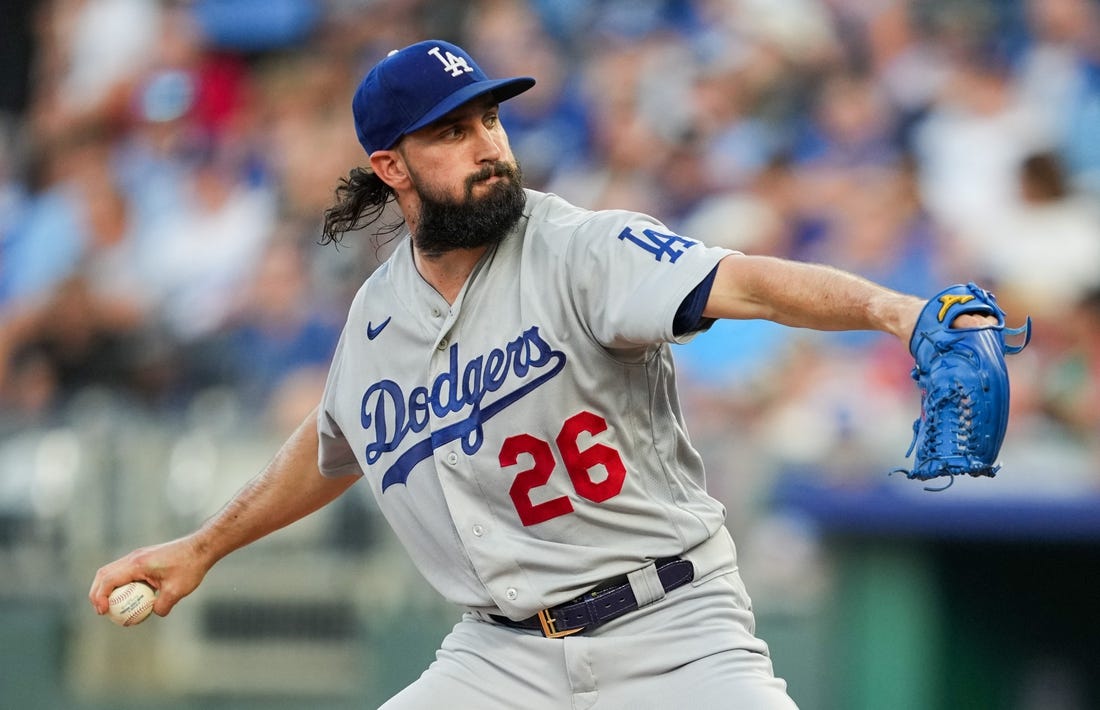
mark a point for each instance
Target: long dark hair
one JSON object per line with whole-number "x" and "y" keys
{"x": 361, "y": 198}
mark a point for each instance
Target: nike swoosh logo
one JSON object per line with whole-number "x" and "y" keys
{"x": 374, "y": 331}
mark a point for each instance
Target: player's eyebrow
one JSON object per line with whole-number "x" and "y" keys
{"x": 476, "y": 107}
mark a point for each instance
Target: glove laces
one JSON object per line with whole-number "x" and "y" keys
{"x": 944, "y": 437}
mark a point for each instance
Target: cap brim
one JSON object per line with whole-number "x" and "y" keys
{"x": 501, "y": 89}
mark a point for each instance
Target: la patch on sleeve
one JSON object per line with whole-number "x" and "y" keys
{"x": 659, "y": 244}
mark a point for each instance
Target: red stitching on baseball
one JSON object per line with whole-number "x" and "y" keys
{"x": 138, "y": 612}
{"x": 127, "y": 592}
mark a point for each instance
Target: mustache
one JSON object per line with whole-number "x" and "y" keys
{"x": 497, "y": 169}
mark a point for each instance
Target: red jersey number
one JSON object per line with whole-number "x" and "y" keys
{"x": 580, "y": 464}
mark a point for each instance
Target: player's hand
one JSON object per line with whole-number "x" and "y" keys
{"x": 173, "y": 568}
{"x": 966, "y": 320}
{"x": 973, "y": 320}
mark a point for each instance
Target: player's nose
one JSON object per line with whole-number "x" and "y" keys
{"x": 490, "y": 145}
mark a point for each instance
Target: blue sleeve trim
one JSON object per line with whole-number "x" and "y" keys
{"x": 689, "y": 317}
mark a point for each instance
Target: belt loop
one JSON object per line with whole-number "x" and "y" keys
{"x": 646, "y": 585}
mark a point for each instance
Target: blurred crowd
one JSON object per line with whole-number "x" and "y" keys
{"x": 164, "y": 167}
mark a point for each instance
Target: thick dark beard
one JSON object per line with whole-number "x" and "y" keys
{"x": 444, "y": 224}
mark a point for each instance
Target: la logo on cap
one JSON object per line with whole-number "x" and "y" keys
{"x": 456, "y": 65}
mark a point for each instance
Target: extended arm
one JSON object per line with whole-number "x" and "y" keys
{"x": 288, "y": 489}
{"x": 808, "y": 296}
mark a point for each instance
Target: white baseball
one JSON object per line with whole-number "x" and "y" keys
{"x": 131, "y": 603}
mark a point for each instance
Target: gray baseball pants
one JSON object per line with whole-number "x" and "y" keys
{"x": 695, "y": 648}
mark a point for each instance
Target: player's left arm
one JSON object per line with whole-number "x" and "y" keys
{"x": 804, "y": 295}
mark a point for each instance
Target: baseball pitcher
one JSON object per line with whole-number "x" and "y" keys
{"x": 505, "y": 387}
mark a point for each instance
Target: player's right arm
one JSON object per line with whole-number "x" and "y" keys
{"x": 288, "y": 489}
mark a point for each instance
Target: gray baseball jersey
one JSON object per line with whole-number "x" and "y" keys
{"x": 526, "y": 442}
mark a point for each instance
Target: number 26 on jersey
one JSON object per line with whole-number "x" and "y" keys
{"x": 581, "y": 464}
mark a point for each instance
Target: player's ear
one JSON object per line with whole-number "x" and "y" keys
{"x": 390, "y": 168}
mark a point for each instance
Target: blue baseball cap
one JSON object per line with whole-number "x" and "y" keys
{"x": 419, "y": 84}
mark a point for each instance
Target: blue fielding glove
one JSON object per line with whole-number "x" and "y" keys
{"x": 963, "y": 385}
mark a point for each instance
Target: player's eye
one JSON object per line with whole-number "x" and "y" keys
{"x": 492, "y": 119}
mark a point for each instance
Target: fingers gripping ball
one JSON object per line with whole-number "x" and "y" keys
{"x": 963, "y": 385}
{"x": 131, "y": 603}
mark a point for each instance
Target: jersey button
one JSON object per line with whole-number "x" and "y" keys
{"x": 442, "y": 344}
{"x": 452, "y": 458}
{"x": 436, "y": 313}
{"x": 478, "y": 530}
{"x": 511, "y": 594}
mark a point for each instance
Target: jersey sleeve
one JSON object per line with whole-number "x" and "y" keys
{"x": 630, "y": 277}
{"x": 335, "y": 456}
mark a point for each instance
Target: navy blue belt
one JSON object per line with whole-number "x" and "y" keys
{"x": 605, "y": 602}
